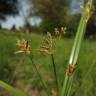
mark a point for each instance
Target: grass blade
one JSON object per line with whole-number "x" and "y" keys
{"x": 12, "y": 90}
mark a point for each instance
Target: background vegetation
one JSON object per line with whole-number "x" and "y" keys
{"x": 18, "y": 71}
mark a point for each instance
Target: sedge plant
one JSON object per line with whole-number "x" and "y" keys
{"x": 87, "y": 11}
{"x": 48, "y": 48}
{"x": 25, "y": 47}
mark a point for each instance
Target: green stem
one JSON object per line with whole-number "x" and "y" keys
{"x": 76, "y": 48}
{"x": 55, "y": 74}
{"x": 39, "y": 75}
{"x": 74, "y": 62}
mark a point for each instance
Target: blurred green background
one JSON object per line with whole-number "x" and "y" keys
{"x": 17, "y": 70}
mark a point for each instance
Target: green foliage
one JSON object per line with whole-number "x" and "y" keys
{"x": 66, "y": 89}
{"x": 52, "y": 12}
{"x": 8, "y": 8}
{"x": 67, "y": 86}
{"x": 72, "y": 22}
{"x": 12, "y": 90}
{"x": 48, "y": 27}
{"x": 27, "y": 76}
{"x": 6, "y": 64}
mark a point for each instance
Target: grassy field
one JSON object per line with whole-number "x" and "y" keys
{"x": 18, "y": 70}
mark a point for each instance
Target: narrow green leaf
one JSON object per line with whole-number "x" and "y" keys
{"x": 66, "y": 89}
{"x": 14, "y": 91}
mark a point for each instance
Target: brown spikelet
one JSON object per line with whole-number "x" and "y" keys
{"x": 24, "y": 46}
{"x": 70, "y": 69}
{"x": 46, "y": 47}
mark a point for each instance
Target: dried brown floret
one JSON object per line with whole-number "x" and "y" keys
{"x": 70, "y": 69}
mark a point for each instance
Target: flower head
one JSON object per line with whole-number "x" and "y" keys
{"x": 46, "y": 46}
{"x": 60, "y": 32}
{"x": 70, "y": 69}
{"x": 87, "y": 9}
{"x": 24, "y": 46}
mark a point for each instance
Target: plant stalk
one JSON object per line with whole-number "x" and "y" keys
{"x": 39, "y": 75}
{"x": 66, "y": 89}
{"x": 55, "y": 74}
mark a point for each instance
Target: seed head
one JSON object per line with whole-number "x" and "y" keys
{"x": 24, "y": 46}
{"x": 46, "y": 46}
{"x": 70, "y": 69}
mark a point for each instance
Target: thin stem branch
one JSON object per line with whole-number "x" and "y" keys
{"x": 39, "y": 75}
{"x": 55, "y": 74}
